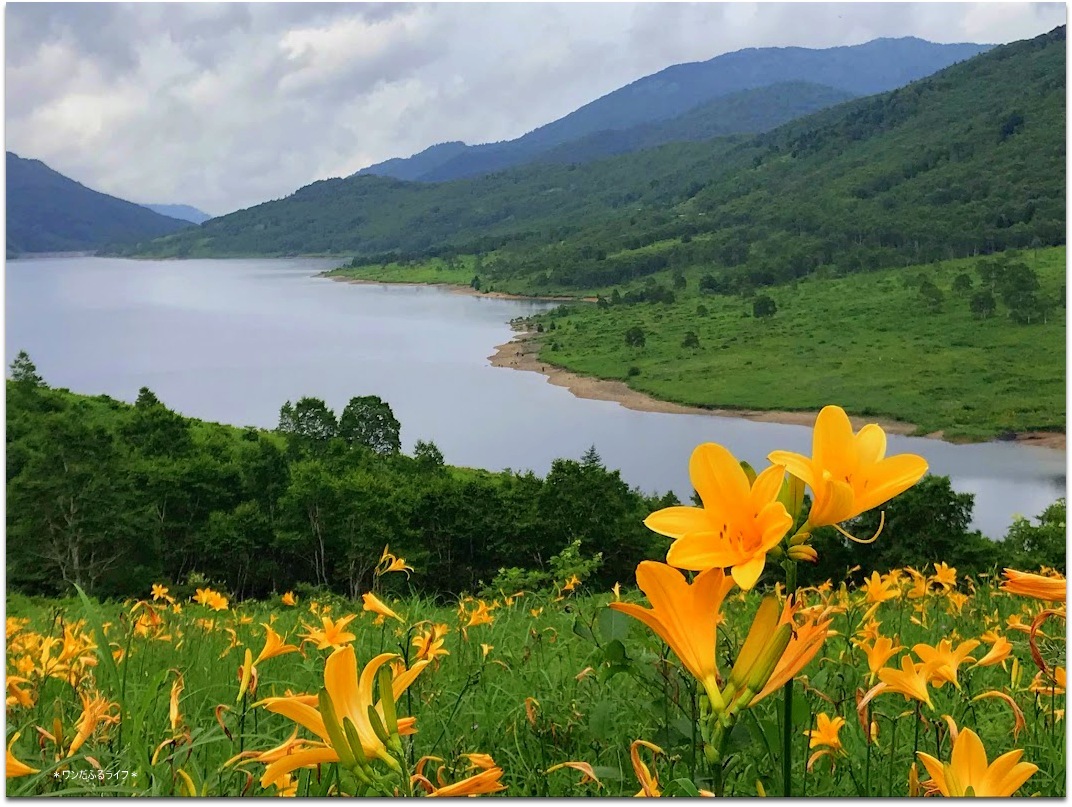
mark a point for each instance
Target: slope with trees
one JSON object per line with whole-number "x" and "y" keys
{"x": 47, "y": 212}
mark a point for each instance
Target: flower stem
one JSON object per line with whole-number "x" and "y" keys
{"x": 787, "y": 712}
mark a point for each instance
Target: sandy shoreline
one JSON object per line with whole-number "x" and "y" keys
{"x": 520, "y": 353}
{"x": 456, "y": 289}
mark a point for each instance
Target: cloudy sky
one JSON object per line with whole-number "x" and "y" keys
{"x": 223, "y": 106}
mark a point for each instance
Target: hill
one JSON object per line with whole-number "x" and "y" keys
{"x": 182, "y": 212}
{"x": 969, "y": 160}
{"x": 873, "y": 67}
{"x": 745, "y": 112}
{"x": 48, "y": 212}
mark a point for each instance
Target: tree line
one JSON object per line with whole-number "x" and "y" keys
{"x": 114, "y": 497}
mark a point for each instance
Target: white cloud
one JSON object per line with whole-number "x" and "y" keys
{"x": 226, "y": 105}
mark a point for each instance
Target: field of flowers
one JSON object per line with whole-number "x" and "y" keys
{"x": 918, "y": 682}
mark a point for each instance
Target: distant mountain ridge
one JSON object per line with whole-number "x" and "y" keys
{"x": 48, "y": 212}
{"x": 873, "y": 67}
{"x": 183, "y": 212}
{"x": 968, "y": 160}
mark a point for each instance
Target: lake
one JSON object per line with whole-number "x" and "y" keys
{"x": 232, "y": 340}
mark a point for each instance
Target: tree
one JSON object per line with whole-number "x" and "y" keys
{"x": 962, "y": 283}
{"x": 615, "y": 297}
{"x": 475, "y": 282}
{"x": 368, "y": 421}
{"x": 931, "y": 295}
{"x": 679, "y": 280}
{"x": 691, "y": 340}
{"x": 701, "y": 310}
{"x": 983, "y": 304}
{"x": 634, "y": 337}
{"x": 309, "y": 423}
{"x": 427, "y": 454}
{"x": 24, "y": 372}
{"x": 763, "y": 306}
{"x": 1032, "y": 546}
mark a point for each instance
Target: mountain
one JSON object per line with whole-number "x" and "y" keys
{"x": 745, "y": 112}
{"x": 47, "y": 212}
{"x": 967, "y": 161}
{"x": 876, "y": 66}
{"x": 182, "y": 212}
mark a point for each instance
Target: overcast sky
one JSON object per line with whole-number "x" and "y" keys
{"x": 223, "y": 106}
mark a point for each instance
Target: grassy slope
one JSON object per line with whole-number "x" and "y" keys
{"x": 863, "y": 341}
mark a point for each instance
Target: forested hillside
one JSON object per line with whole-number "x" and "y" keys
{"x": 970, "y": 160}
{"x": 114, "y": 497}
{"x": 876, "y": 66}
{"x": 47, "y": 212}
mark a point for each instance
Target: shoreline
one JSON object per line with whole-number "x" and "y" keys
{"x": 456, "y": 289}
{"x": 520, "y": 354}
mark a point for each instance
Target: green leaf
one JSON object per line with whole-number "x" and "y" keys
{"x": 682, "y": 787}
{"x": 613, "y": 625}
{"x": 602, "y": 720}
{"x": 103, "y": 648}
{"x": 584, "y": 631}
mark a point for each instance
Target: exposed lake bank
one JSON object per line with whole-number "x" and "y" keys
{"x": 522, "y": 353}
{"x": 454, "y": 288}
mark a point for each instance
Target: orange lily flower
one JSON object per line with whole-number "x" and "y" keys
{"x": 588, "y": 774}
{"x": 1053, "y": 589}
{"x": 969, "y": 774}
{"x": 943, "y": 661}
{"x": 944, "y": 575}
{"x": 849, "y": 473}
{"x": 15, "y": 767}
{"x": 738, "y": 524}
{"x": 430, "y": 644}
{"x": 825, "y": 732}
{"x": 331, "y": 634}
{"x": 878, "y": 653}
{"x": 684, "y": 616}
{"x": 289, "y": 599}
{"x": 649, "y": 782}
{"x": 377, "y": 606}
{"x": 487, "y": 781}
{"x": 910, "y": 681}
{"x": 96, "y": 709}
{"x": 341, "y": 715}
{"x": 391, "y": 563}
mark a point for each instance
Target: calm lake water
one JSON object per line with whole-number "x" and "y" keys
{"x": 230, "y": 341}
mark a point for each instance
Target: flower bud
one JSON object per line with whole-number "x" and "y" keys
{"x": 803, "y": 552}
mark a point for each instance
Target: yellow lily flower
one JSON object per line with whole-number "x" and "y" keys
{"x": 487, "y": 781}
{"x": 587, "y": 773}
{"x": 944, "y": 575}
{"x": 943, "y": 661}
{"x": 825, "y": 732}
{"x": 849, "y": 473}
{"x": 910, "y": 681}
{"x": 878, "y": 653}
{"x": 969, "y": 774}
{"x": 341, "y": 717}
{"x": 331, "y": 633}
{"x": 96, "y": 709}
{"x": 1053, "y": 589}
{"x": 273, "y": 645}
{"x": 649, "y": 782}
{"x": 391, "y": 563}
{"x": 377, "y": 606}
{"x": 684, "y": 616}
{"x": 174, "y": 715}
{"x": 13, "y": 766}
{"x": 738, "y": 524}
{"x": 430, "y": 644}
